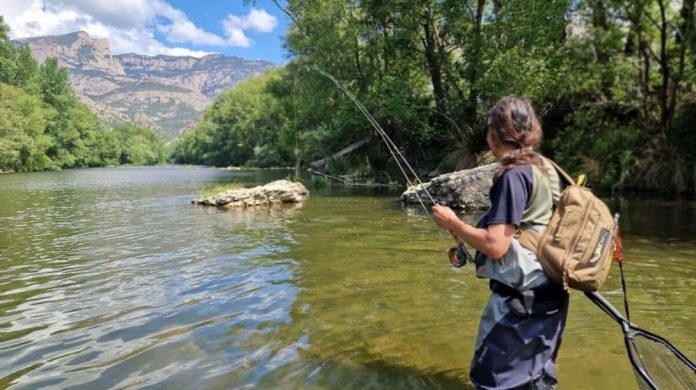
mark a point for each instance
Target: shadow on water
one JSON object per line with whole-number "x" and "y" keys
{"x": 377, "y": 374}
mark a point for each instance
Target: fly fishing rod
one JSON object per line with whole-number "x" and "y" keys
{"x": 458, "y": 255}
{"x": 391, "y": 146}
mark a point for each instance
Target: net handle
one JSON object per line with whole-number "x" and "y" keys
{"x": 626, "y": 326}
{"x": 608, "y": 308}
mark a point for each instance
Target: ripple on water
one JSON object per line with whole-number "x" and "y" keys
{"x": 116, "y": 290}
{"x": 111, "y": 279}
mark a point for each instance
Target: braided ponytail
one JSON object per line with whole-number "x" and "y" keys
{"x": 513, "y": 123}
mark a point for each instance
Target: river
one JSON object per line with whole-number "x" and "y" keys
{"x": 110, "y": 278}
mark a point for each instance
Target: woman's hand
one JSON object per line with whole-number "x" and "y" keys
{"x": 444, "y": 217}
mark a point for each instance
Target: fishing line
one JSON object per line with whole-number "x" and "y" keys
{"x": 459, "y": 255}
{"x": 391, "y": 146}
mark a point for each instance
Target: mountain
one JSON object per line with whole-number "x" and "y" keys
{"x": 166, "y": 93}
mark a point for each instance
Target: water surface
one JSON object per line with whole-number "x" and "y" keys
{"x": 110, "y": 278}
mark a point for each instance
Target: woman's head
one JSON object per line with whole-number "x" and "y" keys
{"x": 512, "y": 124}
{"x": 514, "y": 132}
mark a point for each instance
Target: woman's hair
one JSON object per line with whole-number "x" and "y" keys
{"x": 513, "y": 123}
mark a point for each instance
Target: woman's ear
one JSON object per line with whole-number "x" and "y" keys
{"x": 493, "y": 144}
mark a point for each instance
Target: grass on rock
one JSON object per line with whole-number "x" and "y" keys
{"x": 221, "y": 188}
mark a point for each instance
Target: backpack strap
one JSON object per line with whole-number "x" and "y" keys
{"x": 564, "y": 175}
{"x": 528, "y": 238}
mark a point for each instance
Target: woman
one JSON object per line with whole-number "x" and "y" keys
{"x": 521, "y": 327}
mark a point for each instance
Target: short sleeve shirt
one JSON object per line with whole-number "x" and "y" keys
{"x": 509, "y": 196}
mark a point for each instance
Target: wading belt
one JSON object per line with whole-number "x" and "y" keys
{"x": 544, "y": 300}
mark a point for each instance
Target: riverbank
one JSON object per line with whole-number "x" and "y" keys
{"x": 238, "y": 168}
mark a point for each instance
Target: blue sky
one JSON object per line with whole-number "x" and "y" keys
{"x": 151, "y": 27}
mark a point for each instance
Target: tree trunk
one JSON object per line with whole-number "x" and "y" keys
{"x": 434, "y": 67}
{"x": 665, "y": 109}
{"x": 682, "y": 40}
{"x": 473, "y": 71}
{"x": 385, "y": 46}
{"x": 644, "y": 60}
{"x": 497, "y": 6}
{"x": 601, "y": 24}
{"x": 356, "y": 57}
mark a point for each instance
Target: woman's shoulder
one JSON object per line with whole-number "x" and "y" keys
{"x": 517, "y": 180}
{"x": 521, "y": 173}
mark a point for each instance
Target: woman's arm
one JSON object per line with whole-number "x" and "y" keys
{"x": 494, "y": 241}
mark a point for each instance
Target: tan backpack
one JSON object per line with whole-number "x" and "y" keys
{"x": 576, "y": 247}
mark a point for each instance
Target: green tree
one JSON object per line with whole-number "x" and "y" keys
{"x": 54, "y": 81}
{"x": 8, "y": 55}
{"x": 44, "y": 126}
{"x": 26, "y": 75}
{"x": 138, "y": 146}
{"x": 612, "y": 81}
{"x": 108, "y": 149}
{"x": 23, "y": 120}
{"x": 240, "y": 127}
{"x": 630, "y": 78}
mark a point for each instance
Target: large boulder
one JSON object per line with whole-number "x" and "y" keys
{"x": 465, "y": 190}
{"x": 273, "y": 193}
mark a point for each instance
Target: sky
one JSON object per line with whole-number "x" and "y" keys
{"x": 152, "y": 27}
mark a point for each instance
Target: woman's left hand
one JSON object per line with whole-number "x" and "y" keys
{"x": 444, "y": 216}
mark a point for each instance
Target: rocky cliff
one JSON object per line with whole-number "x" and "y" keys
{"x": 164, "y": 92}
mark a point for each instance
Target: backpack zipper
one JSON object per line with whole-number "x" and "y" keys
{"x": 583, "y": 221}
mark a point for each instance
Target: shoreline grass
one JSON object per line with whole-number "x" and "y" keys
{"x": 216, "y": 189}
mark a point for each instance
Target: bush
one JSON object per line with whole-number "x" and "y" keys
{"x": 265, "y": 156}
{"x": 599, "y": 142}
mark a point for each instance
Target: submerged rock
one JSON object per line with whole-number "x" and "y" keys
{"x": 273, "y": 193}
{"x": 466, "y": 189}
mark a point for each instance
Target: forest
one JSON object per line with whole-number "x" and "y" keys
{"x": 43, "y": 126}
{"x": 612, "y": 81}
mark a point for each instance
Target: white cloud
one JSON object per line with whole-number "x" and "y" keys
{"x": 145, "y": 43}
{"x": 179, "y": 29}
{"x": 123, "y": 14}
{"x": 183, "y": 52}
{"x": 236, "y": 37}
{"x": 130, "y": 25}
{"x": 185, "y": 31}
{"x": 258, "y": 20}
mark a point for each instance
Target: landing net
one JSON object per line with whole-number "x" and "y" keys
{"x": 658, "y": 364}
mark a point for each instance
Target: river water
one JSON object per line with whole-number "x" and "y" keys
{"x": 110, "y": 278}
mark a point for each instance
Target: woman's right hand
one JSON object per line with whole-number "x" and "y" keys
{"x": 444, "y": 217}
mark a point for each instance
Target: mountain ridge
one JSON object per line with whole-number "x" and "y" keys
{"x": 166, "y": 93}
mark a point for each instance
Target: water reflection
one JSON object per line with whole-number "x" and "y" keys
{"x": 378, "y": 306}
{"x": 119, "y": 287}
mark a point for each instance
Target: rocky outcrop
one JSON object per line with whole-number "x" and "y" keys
{"x": 170, "y": 91}
{"x": 76, "y": 51}
{"x": 465, "y": 190}
{"x": 274, "y": 193}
